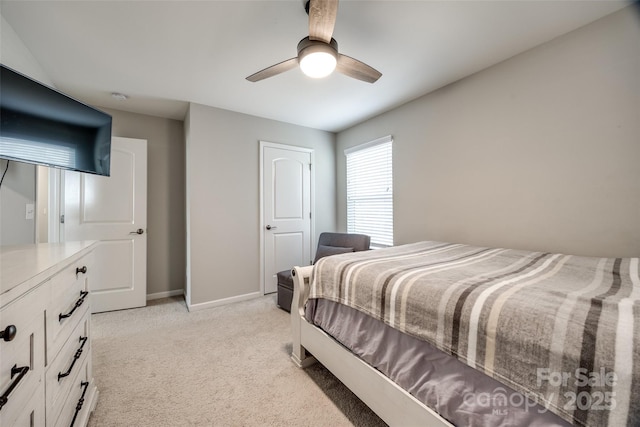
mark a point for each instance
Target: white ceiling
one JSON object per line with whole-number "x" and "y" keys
{"x": 164, "y": 54}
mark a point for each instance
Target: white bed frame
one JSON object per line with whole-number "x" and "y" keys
{"x": 393, "y": 404}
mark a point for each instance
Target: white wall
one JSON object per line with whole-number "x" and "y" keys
{"x": 223, "y": 197}
{"x": 18, "y": 190}
{"x": 19, "y": 185}
{"x": 541, "y": 151}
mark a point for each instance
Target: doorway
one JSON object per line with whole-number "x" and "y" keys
{"x": 286, "y": 202}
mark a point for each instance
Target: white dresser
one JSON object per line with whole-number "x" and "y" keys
{"x": 45, "y": 335}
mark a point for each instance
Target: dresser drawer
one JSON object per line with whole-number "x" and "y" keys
{"x": 29, "y": 415}
{"x": 75, "y": 411}
{"x": 22, "y": 358}
{"x": 65, "y": 368}
{"x": 69, "y": 302}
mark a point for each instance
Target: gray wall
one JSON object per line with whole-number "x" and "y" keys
{"x": 539, "y": 152}
{"x": 165, "y": 195}
{"x": 223, "y": 196}
{"x": 19, "y": 185}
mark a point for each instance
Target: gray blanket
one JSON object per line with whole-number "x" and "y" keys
{"x": 562, "y": 330}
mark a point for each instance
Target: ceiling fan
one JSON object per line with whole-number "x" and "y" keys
{"x": 318, "y": 54}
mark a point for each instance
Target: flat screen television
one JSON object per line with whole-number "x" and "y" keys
{"x": 40, "y": 125}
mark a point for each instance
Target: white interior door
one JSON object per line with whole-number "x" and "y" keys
{"x": 113, "y": 210}
{"x": 286, "y": 222}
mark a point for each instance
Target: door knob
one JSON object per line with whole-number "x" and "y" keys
{"x": 138, "y": 231}
{"x": 268, "y": 227}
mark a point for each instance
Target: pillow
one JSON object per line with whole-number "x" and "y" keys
{"x": 324, "y": 251}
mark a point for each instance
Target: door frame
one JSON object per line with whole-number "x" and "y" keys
{"x": 312, "y": 228}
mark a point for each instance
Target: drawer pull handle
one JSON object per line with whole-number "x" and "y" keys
{"x": 20, "y": 372}
{"x": 85, "y": 385}
{"x": 83, "y": 294}
{"x": 76, "y": 356}
{"x": 82, "y": 270}
{"x": 9, "y": 333}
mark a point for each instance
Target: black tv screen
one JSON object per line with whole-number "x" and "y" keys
{"x": 40, "y": 125}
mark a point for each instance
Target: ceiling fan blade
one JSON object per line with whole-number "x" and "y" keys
{"x": 274, "y": 70}
{"x": 356, "y": 69}
{"x": 322, "y": 19}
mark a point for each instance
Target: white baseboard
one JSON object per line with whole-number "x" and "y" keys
{"x": 224, "y": 301}
{"x": 166, "y": 294}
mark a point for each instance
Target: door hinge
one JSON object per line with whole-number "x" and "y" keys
{"x": 61, "y": 219}
{"x": 309, "y": 166}
{"x": 309, "y": 215}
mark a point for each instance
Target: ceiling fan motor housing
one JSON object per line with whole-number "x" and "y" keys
{"x": 307, "y": 46}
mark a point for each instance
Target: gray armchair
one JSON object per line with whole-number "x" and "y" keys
{"x": 328, "y": 244}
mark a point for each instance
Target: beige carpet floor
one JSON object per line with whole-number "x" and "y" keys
{"x": 226, "y": 366}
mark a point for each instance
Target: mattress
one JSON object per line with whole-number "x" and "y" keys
{"x": 562, "y": 330}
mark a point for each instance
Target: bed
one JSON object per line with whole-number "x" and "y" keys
{"x": 442, "y": 334}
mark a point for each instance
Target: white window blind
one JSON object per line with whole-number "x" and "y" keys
{"x": 370, "y": 191}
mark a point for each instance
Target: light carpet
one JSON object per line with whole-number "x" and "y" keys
{"x": 226, "y": 366}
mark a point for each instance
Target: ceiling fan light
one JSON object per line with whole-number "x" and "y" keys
{"x": 318, "y": 64}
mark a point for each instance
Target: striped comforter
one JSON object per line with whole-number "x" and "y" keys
{"x": 562, "y": 330}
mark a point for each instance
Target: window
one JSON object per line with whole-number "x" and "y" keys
{"x": 370, "y": 191}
